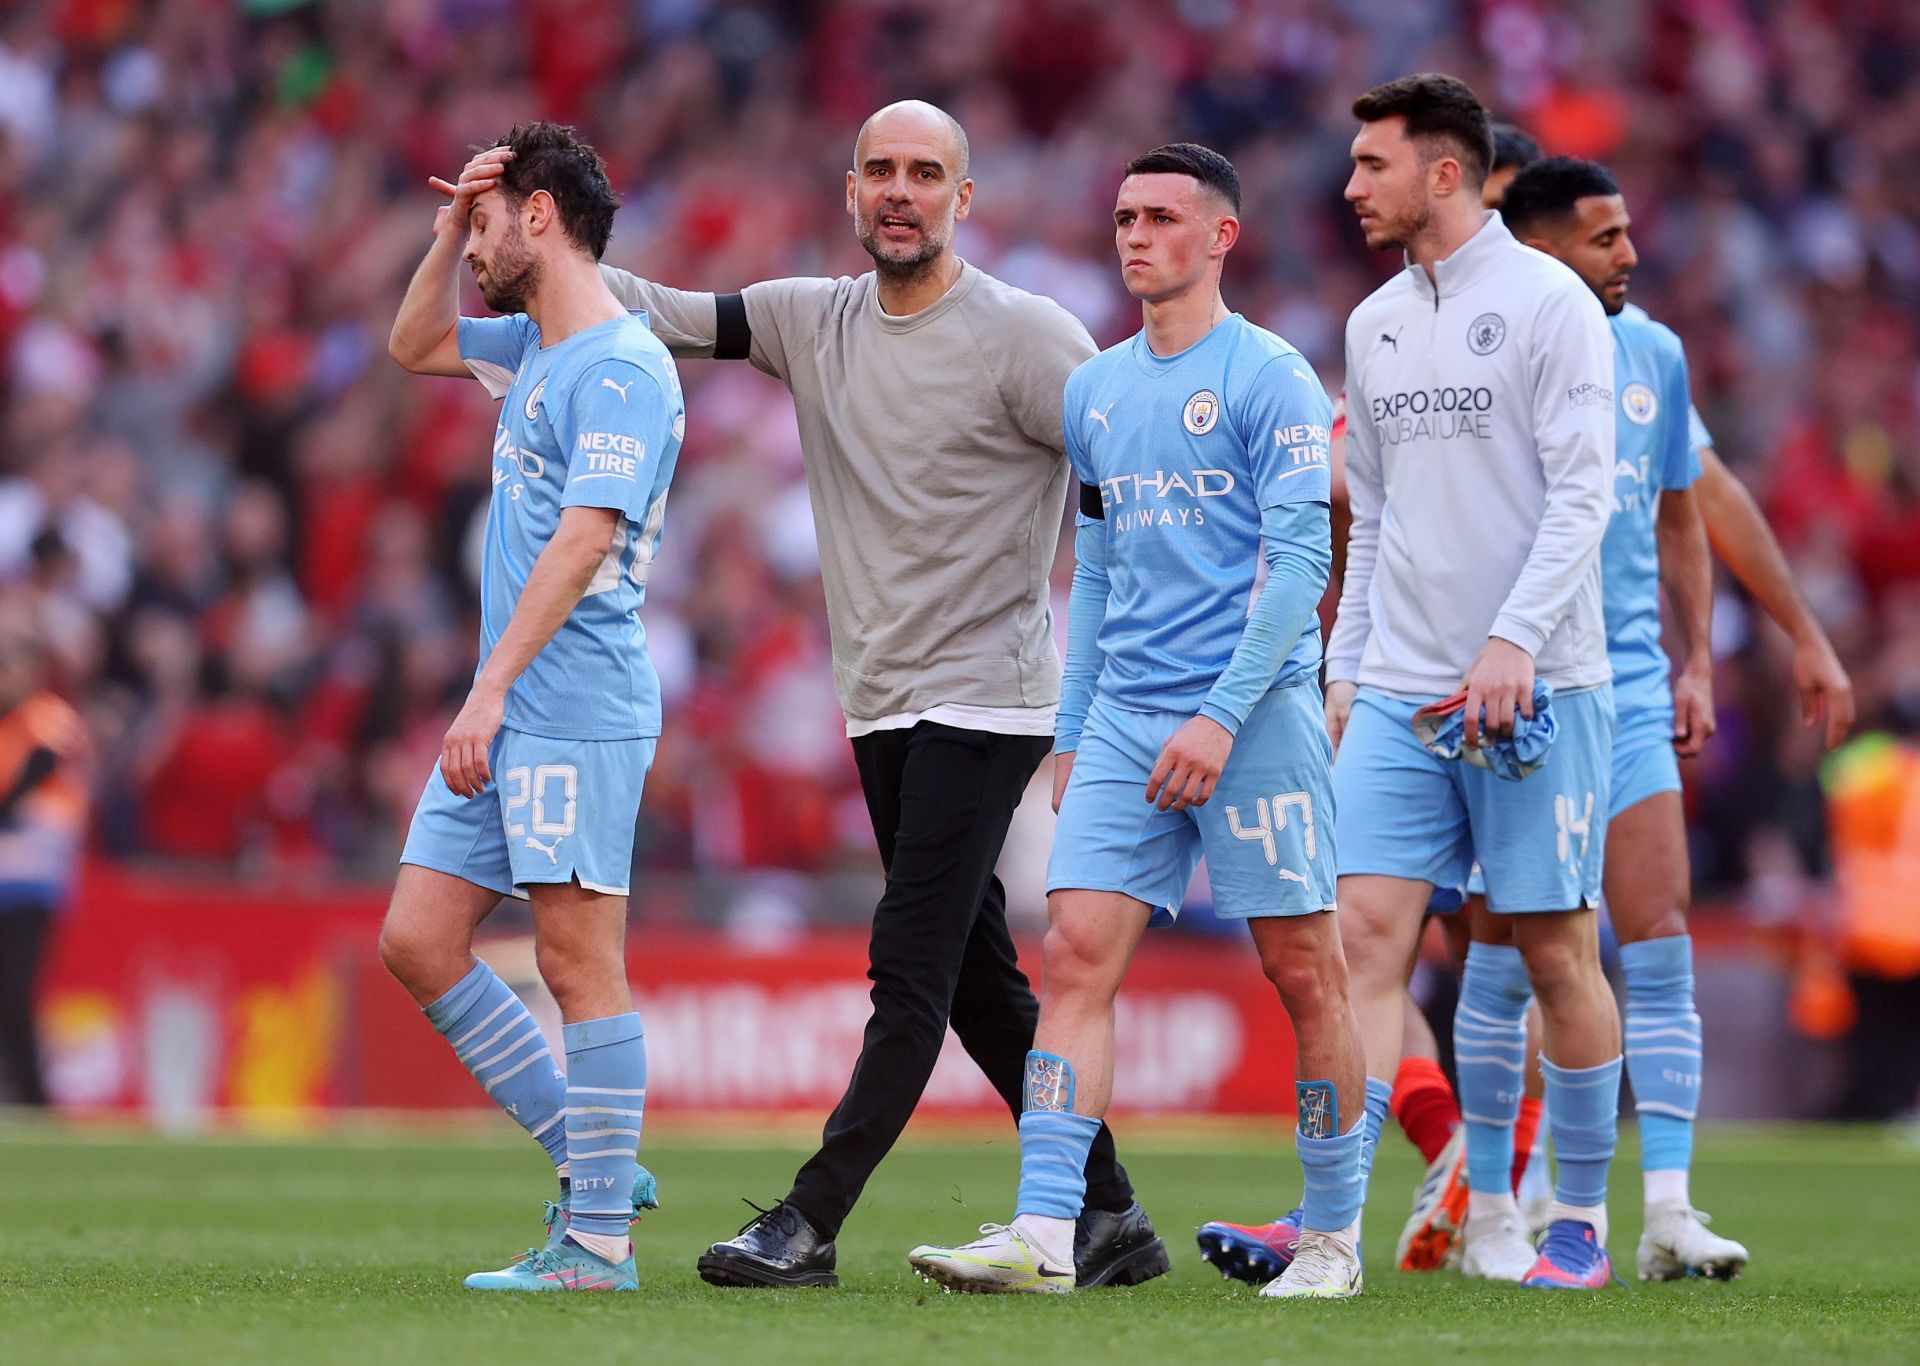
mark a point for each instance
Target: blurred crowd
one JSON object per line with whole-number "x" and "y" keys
{"x": 249, "y": 541}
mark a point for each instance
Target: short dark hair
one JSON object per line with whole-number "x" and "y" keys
{"x": 1191, "y": 159}
{"x": 551, "y": 157}
{"x": 1513, "y": 146}
{"x": 1435, "y": 107}
{"x": 1547, "y": 191}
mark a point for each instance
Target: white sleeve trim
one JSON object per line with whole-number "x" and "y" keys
{"x": 497, "y": 378}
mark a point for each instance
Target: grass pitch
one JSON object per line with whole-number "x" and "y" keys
{"x": 351, "y": 1249}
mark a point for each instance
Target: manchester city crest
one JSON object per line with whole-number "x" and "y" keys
{"x": 1486, "y": 333}
{"x": 1201, "y": 412}
{"x": 1637, "y": 401}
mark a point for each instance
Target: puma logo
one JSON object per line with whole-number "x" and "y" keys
{"x": 1285, "y": 874}
{"x": 620, "y": 389}
{"x": 1393, "y": 339}
{"x": 551, "y": 850}
{"x": 1100, "y": 417}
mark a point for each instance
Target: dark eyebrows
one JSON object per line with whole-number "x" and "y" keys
{"x": 924, "y": 163}
{"x": 1146, "y": 208}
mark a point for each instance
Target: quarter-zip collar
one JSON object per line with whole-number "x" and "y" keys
{"x": 1469, "y": 262}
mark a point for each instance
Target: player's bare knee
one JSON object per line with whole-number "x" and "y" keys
{"x": 414, "y": 957}
{"x": 1308, "y": 987}
{"x": 1669, "y": 921}
{"x": 567, "y": 969}
{"x": 1078, "y": 959}
{"x": 1558, "y": 966}
{"x": 1375, "y": 963}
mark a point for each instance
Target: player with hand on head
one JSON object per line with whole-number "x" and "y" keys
{"x": 539, "y": 780}
{"x": 926, "y": 391}
{"x": 1188, "y": 724}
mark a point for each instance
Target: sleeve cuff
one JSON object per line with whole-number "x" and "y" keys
{"x": 1343, "y": 670}
{"x": 1516, "y": 631}
{"x": 1214, "y": 712}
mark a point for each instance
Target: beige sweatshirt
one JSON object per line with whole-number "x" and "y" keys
{"x": 934, "y": 460}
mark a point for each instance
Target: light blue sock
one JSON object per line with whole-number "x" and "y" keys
{"x": 1379, "y": 1097}
{"x": 1336, "y": 1187}
{"x": 497, "y": 1040}
{"x": 1490, "y": 1056}
{"x": 606, "y": 1095}
{"x": 1583, "y": 1110}
{"x": 1663, "y": 1049}
{"x": 1054, "y": 1142}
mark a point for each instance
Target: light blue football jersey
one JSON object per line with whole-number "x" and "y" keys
{"x": 592, "y": 421}
{"x": 1697, "y": 434}
{"x": 1185, "y": 451}
{"x": 1653, "y": 450}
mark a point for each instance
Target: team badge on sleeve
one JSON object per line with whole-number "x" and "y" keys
{"x": 1201, "y": 413}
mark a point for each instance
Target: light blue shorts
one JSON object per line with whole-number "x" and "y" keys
{"x": 1406, "y": 812}
{"x": 557, "y": 811}
{"x": 1267, "y": 831}
{"x": 1644, "y": 764}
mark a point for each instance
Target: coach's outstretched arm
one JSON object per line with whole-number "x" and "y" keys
{"x": 426, "y": 334}
{"x": 1572, "y": 368}
{"x": 1742, "y": 538}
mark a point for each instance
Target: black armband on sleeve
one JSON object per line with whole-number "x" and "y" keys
{"x": 1090, "y": 505}
{"x": 732, "y": 337}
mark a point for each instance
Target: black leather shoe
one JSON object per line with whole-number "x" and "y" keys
{"x": 778, "y": 1247}
{"x": 1117, "y": 1248}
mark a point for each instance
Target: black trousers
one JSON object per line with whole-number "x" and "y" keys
{"x": 941, "y": 799}
{"x": 23, "y": 931}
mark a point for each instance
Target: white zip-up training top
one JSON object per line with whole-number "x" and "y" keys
{"x": 1479, "y": 462}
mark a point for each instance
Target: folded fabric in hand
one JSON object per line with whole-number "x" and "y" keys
{"x": 1442, "y": 728}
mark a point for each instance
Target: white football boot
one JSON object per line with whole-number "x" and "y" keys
{"x": 1676, "y": 1245}
{"x": 1496, "y": 1248}
{"x": 1000, "y": 1262}
{"x": 1325, "y": 1266}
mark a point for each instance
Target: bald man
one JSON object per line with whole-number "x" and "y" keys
{"x": 928, "y": 396}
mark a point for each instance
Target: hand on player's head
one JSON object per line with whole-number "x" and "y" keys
{"x": 480, "y": 174}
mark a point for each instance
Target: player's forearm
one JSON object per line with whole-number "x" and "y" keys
{"x": 1741, "y": 537}
{"x": 554, "y": 588}
{"x": 1298, "y": 543}
{"x": 431, "y": 309}
{"x": 1086, "y": 613}
{"x": 1686, "y": 571}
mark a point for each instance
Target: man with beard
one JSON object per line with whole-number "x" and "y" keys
{"x": 1480, "y": 405}
{"x": 928, "y": 396}
{"x": 539, "y": 779}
